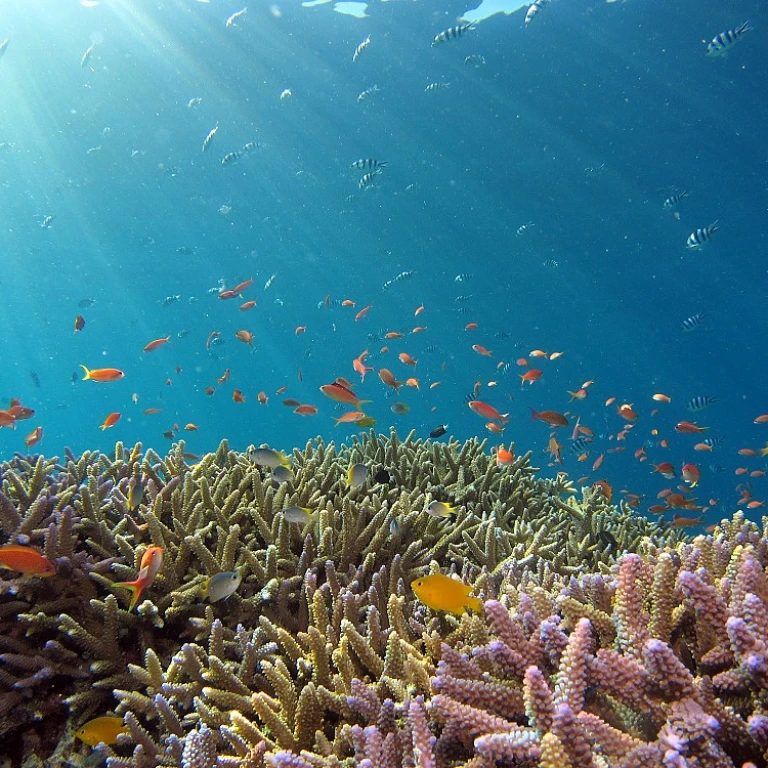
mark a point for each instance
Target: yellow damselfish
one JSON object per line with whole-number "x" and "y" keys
{"x": 102, "y": 729}
{"x": 443, "y": 593}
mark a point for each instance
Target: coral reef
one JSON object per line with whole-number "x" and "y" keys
{"x": 323, "y": 656}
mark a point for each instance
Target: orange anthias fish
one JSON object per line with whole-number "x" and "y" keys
{"x": 245, "y": 336}
{"x": 388, "y": 378}
{"x": 342, "y": 394}
{"x": 101, "y": 730}
{"x": 102, "y": 374}
{"x": 689, "y": 427}
{"x": 552, "y": 418}
{"x": 26, "y": 560}
{"x": 34, "y": 437}
{"x": 305, "y": 410}
{"x": 481, "y": 350}
{"x": 363, "y": 312}
{"x": 503, "y": 456}
{"x": 110, "y": 421}
{"x": 156, "y": 343}
{"x": 488, "y": 411}
{"x": 151, "y": 561}
{"x": 360, "y": 367}
{"x": 350, "y": 416}
{"x": 534, "y": 374}
{"x": 442, "y": 593}
{"x": 406, "y": 359}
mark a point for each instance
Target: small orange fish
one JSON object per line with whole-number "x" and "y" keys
{"x": 228, "y": 295}
{"x": 363, "y": 312}
{"x": 660, "y": 398}
{"x": 246, "y": 337}
{"x": 305, "y": 410}
{"x": 156, "y": 343}
{"x": 281, "y": 390}
{"x": 419, "y": 310}
{"x": 470, "y": 327}
{"x": 246, "y": 305}
{"x": 102, "y": 374}
{"x": 412, "y": 383}
{"x": 762, "y": 419}
{"x": 151, "y": 562}
{"x": 626, "y": 412}
{"x": 579, "y": 394}
{"x": 101, "y": 729}
{"x": 442, "y": 593}
{"x": 503, "y": 456}
{"x": 342, "y": 394}
{"x": 393, "y": 335}
{"x": 419, "y": 329}
{"x": 487, "y": 411}
{"x": 534, "y": 374}
{"x": 240, "y": 287}
{"x": 300, "y": 329}
{"x": 497, "y": 429}
{"x": 26, "y": 560}
{"x": 553, "y": 418}
{"x": 406, "y": 359}
{"x": 34, "y": 437}
{"x": 360, "y": 367}
{"x": 347, "y": 303}
{"x": 481, "y": 350}
{"x": 110, "y": 421}
{"x": 555, "y": 355}
{"x": 262, "y": 398}
{"x": 210, "y": 391}
{"x": 388, "y": 378}
{"x": 689, "y": 427}
{"x": 537, "y": 353}
{"x": 598, "y": 462}
{"x": 238, "y": 396}
{"x": 20, "y": 412}
{"x": 191, "y": 427}
{"x": 349, "y": 417}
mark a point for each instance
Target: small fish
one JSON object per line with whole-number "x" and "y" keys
{"x": 368, "y": 179}
{"x": 696, "y": 404}
{"x": 87, "y": 55}
{"x": 102, "y": 374}
{"x": 722, "y": 43}
{"x": 300, "y": 515}
{"x": 439, "y": 431}
{"x": 34, "y": 437}
{"x": 151, "y": 561}
{"x": 440, "y": 509}
{"x": 135, "y": 496}
{"x": 699, "y": 237}
{"x": 282, "y": 474}
{"x": 475, "y": 60}
{"x": 35, "y": 378}
{"x": 209, "y": 138}
{"x": 26, "y": 560}
{"x": 234, "y": 17}
{"x": 266, "y": 457}
{"x": 552, "y": 418}
{"x": 442, "y": 593}
{"x": 168, "y": 300}
{"x": 101, "y": 730}
{"x": 360, "y": 48}
{"x": 47, "y": 221}
{"x": 366, "y": 421}
{"x": 550, "y": 263}
{"x": 671, "y": 202}
{"x": 691, "y": 323}
{"x": 690, "y": 474}
{"x": 305, "y": 410}
{"x": 436, "y": 87}
{"x": 342, "y": 394}
{"x": 269, "y": 282}
{"x": 523, "y": 228}
{"x": 363, "y": 95}
{"x": 399, "y": 408}
{"x": 285, "y": 94}
{"x": 195, "y": 101}
{"x": 463, "y": 277}
{"x": 156, "y": 343}
{"x": 369, "y": 163}
{"x": 221, "y": 586}
{"x": 357, "y": 474}
{"x": 452, "y": 33}
{"x": 689, "y": 428}
{"x": 382, "y": 477}
{"x": 230, "y": 158}
{"x": 533, "y": 9}
{"x": 110, "y": 421}
{"x": 85, "y": 303}
{"x": 487, "y": 411}
{"x": 3, "y": 47}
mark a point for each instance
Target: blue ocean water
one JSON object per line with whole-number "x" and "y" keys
{"x": 578, "y": 126}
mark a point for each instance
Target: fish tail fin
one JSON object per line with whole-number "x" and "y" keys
{"x": 87, "y": 372}
{"x": 534, "y": 414}
{"x": 135, "y": 588}
{"x": 475, "y": 603}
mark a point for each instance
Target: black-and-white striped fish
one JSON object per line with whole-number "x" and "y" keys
{"x": 363, "y": 95}
{"x": 701, "y": 236}
{"x": 461, "y": 299}
{"x": 369, "y": 163}
{"x": 474, "y": 60}
{"x": 551, "y": 263}
{"x": 360, "y": 48}
{"x": 368, "y": 179}
{"x": 580, "y": 445}
{"x": 722, "y": 43}
{"x": 405, "y": 275}
{"x": 209, "y": 137}
{"x": 436, "y": 87}
{"x": 692, "y": 323}
{"x": 713, "y": 442}
{"x": 533, "y": 9}
{"x": 230, "y": 158}
{"x": 523, "y": 228}
{"x": 671, "y": 202}
{"x": 452, "y": 33}
{"x": 463, "y": 277}
{"x": 699, "y": 403}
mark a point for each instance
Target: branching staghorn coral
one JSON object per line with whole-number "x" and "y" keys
{"x": 320, "y": 605}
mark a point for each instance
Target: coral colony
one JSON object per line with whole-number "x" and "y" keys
{"x": 604, "y": 639}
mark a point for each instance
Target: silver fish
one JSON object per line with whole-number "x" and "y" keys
{"x": 221, "y": 586}
{"x": 209, "y": 137}
{"x": 234, "y": 17}
{"x": 360, "y": 48}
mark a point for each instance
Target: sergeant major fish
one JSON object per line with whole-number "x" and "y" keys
{"x": 234, "y": 17}
{"x": 701, "y": 236}
{"x": 452, "y": 33}
{"x": 533, "y": 9}
{"x": 722, "y": 43}
{"x": 360, "y": 48}
{"x": 209, "y": 138}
